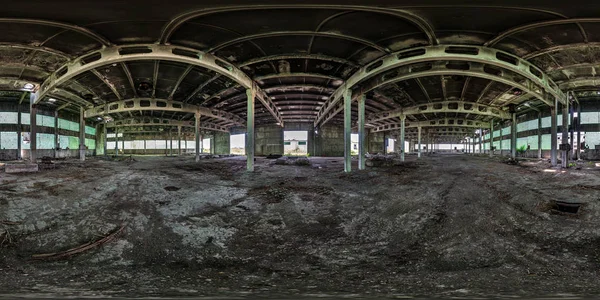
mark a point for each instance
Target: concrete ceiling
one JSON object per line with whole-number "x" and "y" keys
{"x": 298, "y": 53}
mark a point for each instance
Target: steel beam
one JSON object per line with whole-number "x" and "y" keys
{"x": 149, "y": 104}
{"x": 373, "y": 75}
{"x": 118, "y": 54}
{"x": 149, "y": 121}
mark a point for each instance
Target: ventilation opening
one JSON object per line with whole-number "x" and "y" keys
{"x": 507, "y": 58}
{"x": 374, "y": 65}
{"x": 565, "y": 207}
{"x": 61, "y": 72}
{"x": 134, "y": 50}
{"x": 462, "y": 50}
{"x": 535, "y": 72}
{"x": 185, "y": 53}
{"x": 421, "y": 67}
{"x": 145, "y": 103}
{"x": 224, "y": 65}
{"x": 90, "y": 58}
{"x": 411, "y": 53}
{"x": 129, "y": 104}
{"x": 161, "y": 104}
{"x": 458, "y": 66}
{"x": 491, "y": 70}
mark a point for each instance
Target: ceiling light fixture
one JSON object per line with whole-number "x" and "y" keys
{"x": 29, "y": 86}
{"x": 51, "y": 100}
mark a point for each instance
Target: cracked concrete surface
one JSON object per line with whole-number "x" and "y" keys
{"x": 447, "y": 225}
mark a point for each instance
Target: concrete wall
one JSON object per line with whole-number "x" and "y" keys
{"x": 329, "y": 141}
{"x": 268, "y": 139}
{"x": 221, "y": 143}
{"x": 375, "y": 142}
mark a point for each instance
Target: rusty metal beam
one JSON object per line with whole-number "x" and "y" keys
{"x": 474, "y": 56}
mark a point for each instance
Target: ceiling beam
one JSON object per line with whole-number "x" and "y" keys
{"x": 522, "y": 28}
{"x": 180, "y": 80}
{"x": 409, "y": 16}
{"x": 441, "y": 107}
{"x": 374, "y": 74}
{"x": 149, "y": 121}
{"x": 78, "y": 29}
{"x": 150, "y": 104}
{"x": 117, "y": 54}
{"x": 107, "y": 83}
{"x": 129, "y": 78}
{"x": 446, "y": 122}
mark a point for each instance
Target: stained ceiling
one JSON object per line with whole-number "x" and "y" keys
{"x": 299, "y": 54}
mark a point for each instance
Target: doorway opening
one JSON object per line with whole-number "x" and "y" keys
{"x": 295, "y": 143}
{"x": 237, "y": 144}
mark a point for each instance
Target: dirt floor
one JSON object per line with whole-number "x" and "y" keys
{"x": 446, "y": 225}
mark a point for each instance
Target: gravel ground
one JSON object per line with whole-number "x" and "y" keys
{"x": 446, "y": 225}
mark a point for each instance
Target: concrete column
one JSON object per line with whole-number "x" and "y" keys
{"x": 19, "y": 132}
{"x": 144, "y": 146}
{"x": 402, "y": 136}
{"x": 55, "y": 134}
{"x": 81, "y": 134}
{"x": 577, "y": 156}
{"x": 553, "y": 134}
{"x": 123, "y": 142}
{"x": 539, "y": 134}
{"x": 565, "y": 133}
{"x": 419, "y": 141}
{"x": 513, "y": 136}
{"x": 480, "y": 140}
{"x": 116, "y": 142}
{"x": 250, "y": 130}
{"x": 166, "y": 146}
{"x": 348, "y": 131}
{"x": 361, "y": 131}
{"x": 197, "y": 136}
{"x": 106, "y": 139}
{"x": 179, "y": 140}
{"x": 571, "y": 132}
{"x": 33, "y": 132}
{"x": 491, "y": 137}
{"x": 170, "y": 143}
